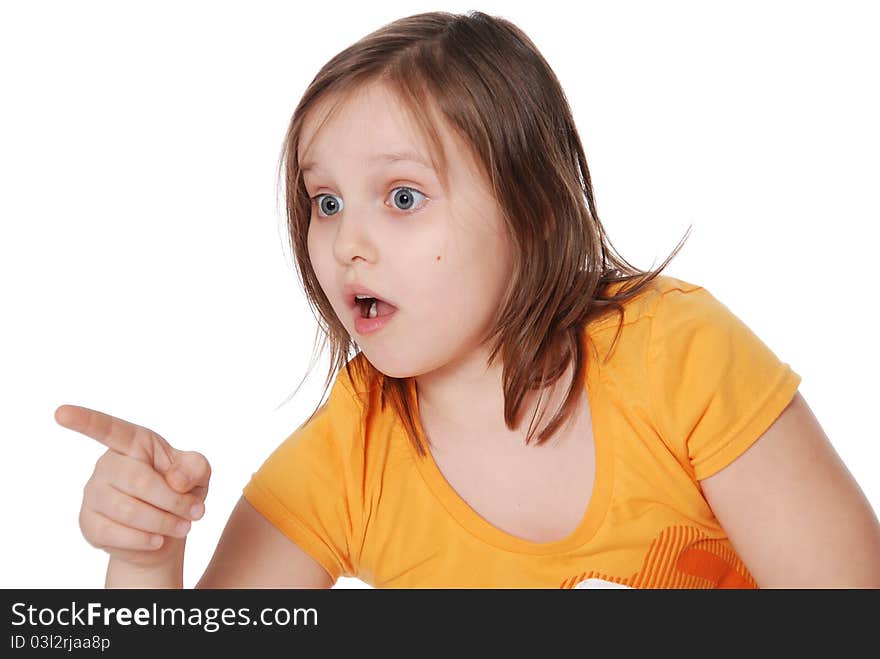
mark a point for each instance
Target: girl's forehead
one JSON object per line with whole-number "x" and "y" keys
{"x": 377, "y": 123}
{"x": 375, "y": 126}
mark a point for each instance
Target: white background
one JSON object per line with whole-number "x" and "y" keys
{"x": 144, "y": 271}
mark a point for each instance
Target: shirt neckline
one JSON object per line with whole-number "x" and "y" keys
{"x": 594, "y": 513}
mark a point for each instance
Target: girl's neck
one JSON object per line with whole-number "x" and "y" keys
{"x": 466, "y": 401}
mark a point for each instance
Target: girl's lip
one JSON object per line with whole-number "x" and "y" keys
{"x": 351, "y": 290}
{"x": 358, "y": 313}
{"x": 364, "y": 326}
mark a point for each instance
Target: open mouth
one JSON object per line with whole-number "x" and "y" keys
{"x": 372, "y": 307}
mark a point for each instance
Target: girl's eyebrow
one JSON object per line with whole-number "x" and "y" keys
{"x": 397, "y": 156}
{"x": 411, "y": 156}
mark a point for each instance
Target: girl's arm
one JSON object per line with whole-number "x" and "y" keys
{"x": 793, "y": 512}
{"x": 252, "y": 553}
{"x": 126, "y": 575}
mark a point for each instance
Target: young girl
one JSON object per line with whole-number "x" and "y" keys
{"x": 524, "y": 409}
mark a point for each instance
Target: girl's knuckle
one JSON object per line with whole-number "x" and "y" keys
{"x": 141, "y": 482}
{"x": 87, "y": 491}
{"x": 105, "y": 464}
{"x": 91, "y": 494}
{"x": 102, "y": 532}
{"x": 124, "y": 511}
{"x": 88, "y": 532}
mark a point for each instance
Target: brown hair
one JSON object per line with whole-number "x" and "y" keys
{"x": 493, "y": 88}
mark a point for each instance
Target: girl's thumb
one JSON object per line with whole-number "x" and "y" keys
{"x": 190, "y": 469}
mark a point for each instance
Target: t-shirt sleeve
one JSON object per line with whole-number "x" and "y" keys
{"x": 715, "y": 386}
{"x": 310, "y": 488}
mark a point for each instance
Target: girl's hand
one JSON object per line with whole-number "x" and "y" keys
{"x": 142, "y": 488}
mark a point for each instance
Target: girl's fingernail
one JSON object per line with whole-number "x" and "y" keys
{"x": 196, "y": 511}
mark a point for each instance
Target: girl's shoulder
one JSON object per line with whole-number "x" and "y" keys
{"x": 645, "y": 303}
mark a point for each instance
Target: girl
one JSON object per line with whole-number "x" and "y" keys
{"x": 442, "y": 218}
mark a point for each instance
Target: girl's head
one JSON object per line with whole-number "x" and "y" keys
{"x": 433, "y": 246}
{"x": 436, "y": 162}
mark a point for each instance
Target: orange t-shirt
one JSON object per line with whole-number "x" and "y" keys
{"x": 687, "y": 389}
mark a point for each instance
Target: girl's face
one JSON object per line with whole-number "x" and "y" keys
{"x": 442, "y": 257}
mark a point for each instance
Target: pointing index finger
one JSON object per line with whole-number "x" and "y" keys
{"x": 114, "y": 433}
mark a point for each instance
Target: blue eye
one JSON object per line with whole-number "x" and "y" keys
{"x": 405, "y": 197}
{"x": 329, "y": 204}
{"x": 332, "y": 205}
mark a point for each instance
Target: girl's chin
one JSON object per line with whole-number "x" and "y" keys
{"x": 390, "y": 368}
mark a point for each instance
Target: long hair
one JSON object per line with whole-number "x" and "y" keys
{"x": 487, "y": 81}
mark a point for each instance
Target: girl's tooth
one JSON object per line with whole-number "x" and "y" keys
{"x": 373, "y": 311}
